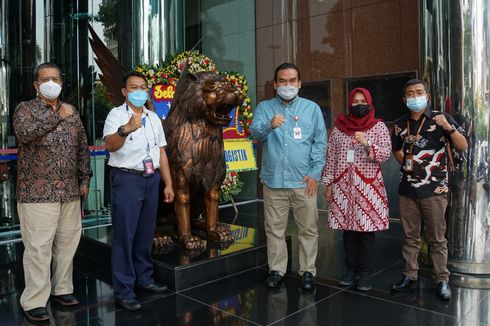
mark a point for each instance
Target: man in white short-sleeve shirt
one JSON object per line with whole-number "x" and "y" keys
{"x": 135, "y": 139}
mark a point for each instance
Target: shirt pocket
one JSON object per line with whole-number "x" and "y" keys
{"x": 139, "y": 135}
{"x": 307, "y": 130}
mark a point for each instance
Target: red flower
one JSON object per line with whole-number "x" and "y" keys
{"x": 233, "y": 173}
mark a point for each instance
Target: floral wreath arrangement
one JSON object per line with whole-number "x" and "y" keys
{"x": 168, "y": 73}
{"x": 231, "y": 186}
{"x": 245, "y": 110}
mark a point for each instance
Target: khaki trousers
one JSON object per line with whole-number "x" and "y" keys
{"x": 277, "y": 203}
{"x": 50, "y": 233}
{"x": 432, "y": 211}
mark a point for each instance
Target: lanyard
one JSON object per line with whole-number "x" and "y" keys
{"x": 143, "y": 122}
{"x": 410, "y": 139}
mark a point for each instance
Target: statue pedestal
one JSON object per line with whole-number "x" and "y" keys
{"x": 180, "y": 269}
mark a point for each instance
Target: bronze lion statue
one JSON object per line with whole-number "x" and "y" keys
{"x": 193, "y": 129}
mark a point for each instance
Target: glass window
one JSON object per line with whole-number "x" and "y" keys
{"x": 34, "y": 32}
{"x": 227, "y": 29}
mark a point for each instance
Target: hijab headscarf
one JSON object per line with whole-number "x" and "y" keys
{"x": 349, "y": 124}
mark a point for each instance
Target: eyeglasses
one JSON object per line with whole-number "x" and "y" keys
{"x": 46, "y": 79}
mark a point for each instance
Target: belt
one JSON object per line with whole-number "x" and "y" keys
{"x": 139, "y": 172}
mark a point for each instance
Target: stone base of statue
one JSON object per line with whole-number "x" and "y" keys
{"x": 180, "y": 269}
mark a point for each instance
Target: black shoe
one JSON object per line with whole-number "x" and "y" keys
{"x": 37, "y": 314}
{"x": 273, "y": 280}
{"x": 129, "y": 304}
{"x": 154, "y": 288}
{"x": 406, "y": 283}
{"x": 307, "y": 281}
{"x": 364, "y": 282}
{"x": 280, "y": 288}
{"x": 66, "y": 299}
{"x": 444, "y": 291}
{"x": 349, "y": 278}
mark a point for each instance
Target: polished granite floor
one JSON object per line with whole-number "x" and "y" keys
{"x": 243, "y": 299}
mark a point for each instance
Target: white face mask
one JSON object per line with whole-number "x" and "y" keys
{"x": 50, "y": 90}
{"x": 287, "y": 92}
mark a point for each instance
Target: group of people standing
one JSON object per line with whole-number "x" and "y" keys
{"x": 54, "y": 175}
{"x": 294, "y": 145}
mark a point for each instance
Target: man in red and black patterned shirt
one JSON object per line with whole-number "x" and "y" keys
{"x": 53, "y": 172}
{"x": 419, "y": 144}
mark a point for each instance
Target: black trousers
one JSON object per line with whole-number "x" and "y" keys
{"x": 359, "y": 251}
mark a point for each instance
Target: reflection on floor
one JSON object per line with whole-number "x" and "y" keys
{"x": 242, "y": 299}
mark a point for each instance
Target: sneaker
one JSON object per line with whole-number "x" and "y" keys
{"x": 349, "y": 278}
{"x": 364, "y": 283}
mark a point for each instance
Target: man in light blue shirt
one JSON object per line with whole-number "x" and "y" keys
{"x": 294, "y": 139}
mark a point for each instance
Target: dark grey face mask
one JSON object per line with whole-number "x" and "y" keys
{"x": 360, "y": 110}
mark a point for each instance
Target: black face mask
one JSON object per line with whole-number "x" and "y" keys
{"x": 360, "y": 110}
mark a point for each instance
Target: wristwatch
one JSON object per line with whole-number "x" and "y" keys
{"x": 121, "y": 132}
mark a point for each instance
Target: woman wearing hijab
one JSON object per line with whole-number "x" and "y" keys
{"x": 354, "y": 184}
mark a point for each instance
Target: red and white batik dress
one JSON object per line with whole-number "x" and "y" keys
{"x": 359, "y": 200}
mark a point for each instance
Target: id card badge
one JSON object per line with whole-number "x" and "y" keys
{"x": 297, "y": 132}
{"x": 408, "y": 163}
{"x": 350, "y": 156}
{"x": 148, "y": 166}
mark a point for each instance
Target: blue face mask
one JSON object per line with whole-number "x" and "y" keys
{"x": 138, "y": 98}
{"x": 417, "y": 104}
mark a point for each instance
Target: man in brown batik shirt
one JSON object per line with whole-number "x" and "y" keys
{"x": 53, "y": 172}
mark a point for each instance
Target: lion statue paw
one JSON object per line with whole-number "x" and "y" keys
{"x": 221, "y": 234}
{"x": 162, "y": 244}
{"x": 191, "y": 242}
